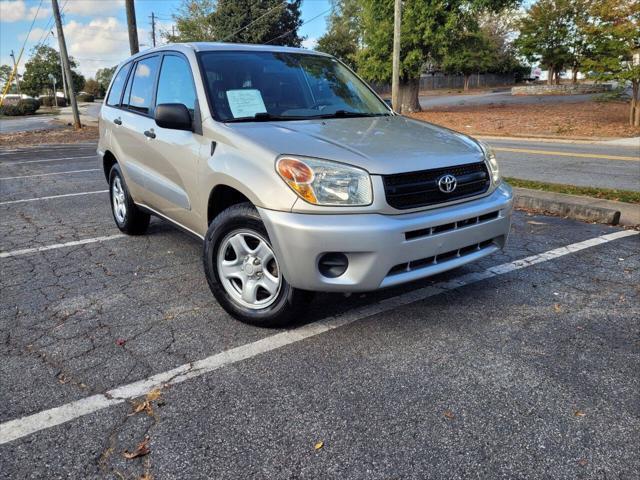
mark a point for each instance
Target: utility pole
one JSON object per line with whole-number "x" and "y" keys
{"x": 13, "y": 57}
{"x": 64, "y": 77}
{"x": 153, "y": 28}
{"x": 65, "y": 63}
{"x": 133, "y": 29}
{"x": 395, "y": 76}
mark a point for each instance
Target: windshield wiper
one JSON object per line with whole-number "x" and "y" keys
{"x": 347, "y": 113}
{"x": 264, "y": 117}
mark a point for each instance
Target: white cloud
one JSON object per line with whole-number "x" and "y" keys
{"x": 309, "y": 43}
{"x": 91, "y": 7}
{"x": 16, "y": 11}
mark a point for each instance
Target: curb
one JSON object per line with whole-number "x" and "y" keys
{"x": 633, "y": 142}
{"x": 586, "y": 209}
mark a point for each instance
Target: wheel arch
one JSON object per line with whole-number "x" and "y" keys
{"x": 108, "y": 161}
{"x": 221, "y": 197}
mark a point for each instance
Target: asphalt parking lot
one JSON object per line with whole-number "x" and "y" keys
{"x": 524, "y": 365}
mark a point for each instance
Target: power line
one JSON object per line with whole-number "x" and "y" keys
{"x": 303, "y": 23}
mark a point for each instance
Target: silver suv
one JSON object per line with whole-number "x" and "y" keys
{"x": 294, "y": 173}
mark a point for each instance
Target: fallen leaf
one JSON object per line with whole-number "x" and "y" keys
{"x": 579, "y": 413}
{"x": 154, "y": 394}
{"x": 146, "y": 476}
{"x": 557, "y": 307}
{"x": 141, "y": 450}
{"x": 583, "y": 461}
{"x": 449, "y": 414}
{"x": 120, "y": 342}
{"x": 318, "y": 445}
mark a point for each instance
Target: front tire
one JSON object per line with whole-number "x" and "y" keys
{"x": 128, "y": 217}
{"x": 243, "y": 272}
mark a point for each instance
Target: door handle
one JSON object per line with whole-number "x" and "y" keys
{"x": 149, "y": 133}
{"x": 117, "y": 121}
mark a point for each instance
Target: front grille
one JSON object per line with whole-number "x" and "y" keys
{"x": 420, "y": 189}
{"x": 441, "y": 257}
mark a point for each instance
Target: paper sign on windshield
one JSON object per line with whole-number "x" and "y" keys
{"x": 246, "y": 102}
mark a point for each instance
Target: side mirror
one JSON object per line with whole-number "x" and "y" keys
{"x": 173, "y": 115}
{"x": 388, "y": 102}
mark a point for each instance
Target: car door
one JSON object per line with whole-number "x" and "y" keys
{"x": 176, "y": 153}
{"x": 136, "y": 129}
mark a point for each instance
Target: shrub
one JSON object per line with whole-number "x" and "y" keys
{"x": 85, "y": 97}
{"x": 48, "y": 101}
{"x": 27, "y": 106}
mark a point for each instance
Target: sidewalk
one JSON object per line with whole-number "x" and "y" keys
{"x": 89, "y": 113}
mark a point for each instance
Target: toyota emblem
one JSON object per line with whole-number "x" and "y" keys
{"x": 447, "y": 183}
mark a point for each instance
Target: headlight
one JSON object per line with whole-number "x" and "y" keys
{"x": 490, "y": 157}
{"x": 322, "y": 182}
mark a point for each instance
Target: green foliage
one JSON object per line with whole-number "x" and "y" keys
{"x": 429, "y": 29}
{"x": 473, "y": 53}
{"x": 239, "y": 21}
{"x": 45, "y": 60}
{"x": 614, "y": 36}
{"x": 5, "y": 74}
{"x": 193, "y": 22}
{"x": 25, "y": 106}
{"x": 92, "y": 87}
{"x": 103, "y": 77}
{"x": 552, "y": 33}
{"x": 344, "y": 33}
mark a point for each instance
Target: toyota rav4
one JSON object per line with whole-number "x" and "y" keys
{"x": 294, "y": 173}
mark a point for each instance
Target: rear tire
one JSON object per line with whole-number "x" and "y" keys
{"x": 128, "y": 217}
{"x": 243, "y": 271}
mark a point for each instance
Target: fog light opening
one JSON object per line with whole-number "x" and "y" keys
{"x": 333, "y": 264}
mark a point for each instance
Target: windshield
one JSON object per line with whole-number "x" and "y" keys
{"x": 255, "y": 86}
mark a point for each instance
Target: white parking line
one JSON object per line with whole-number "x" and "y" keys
{"x": 55, "y": 246}
{"x": 9, "y": 202}
{"x": 49, "y": 174}
{"x": 23, "y": 162}
{"x": 21, "y": 427}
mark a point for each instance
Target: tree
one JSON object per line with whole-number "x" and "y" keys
{"x": 94, "y": 88}
{"x": 103, "y": 77}
{"x": 5, "y": 74}
{"x": 549, "y": 34}
{"x": 429, "y": 27}
{"x": 193, "y": 22}
{"x": 239, "y": 21}
{"x": 612, "y": 35}
{"x": 473, "y": 53}
{"x": 344, "y": 35}
{"x": 45, "y": 60}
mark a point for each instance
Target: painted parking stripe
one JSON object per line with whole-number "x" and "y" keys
{"x": 565, "y": 154}
{"x": 21, "y": 427}
{"x": 24, "y": 162}
{"x": 50, "y": 174}
{"x": 55, "y": 246}
{"x": 51, "y": 197}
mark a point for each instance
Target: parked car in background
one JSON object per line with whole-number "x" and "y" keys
{"x": 296, "y": 176}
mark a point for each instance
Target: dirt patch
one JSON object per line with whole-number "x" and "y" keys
{"x": 58, "y": 135}
{"x": 576, "y": 120}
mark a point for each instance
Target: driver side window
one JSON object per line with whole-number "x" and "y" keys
{"x": 175, "y": 84}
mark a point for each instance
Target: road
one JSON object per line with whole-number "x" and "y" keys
{"x": 27, "y": 124}
{"x": 497, "y": 98}
{"x": 523, "y": 365}
{"x": 583, "y": 164}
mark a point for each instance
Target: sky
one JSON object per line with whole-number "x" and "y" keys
{"x": 96, "y": 30}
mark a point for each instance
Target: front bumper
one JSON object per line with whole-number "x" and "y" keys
{"x": 387, "y": 250}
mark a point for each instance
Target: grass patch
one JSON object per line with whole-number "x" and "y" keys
{"x": 626, "y": 196}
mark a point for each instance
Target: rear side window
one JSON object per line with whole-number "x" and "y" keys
{"x": 142, "y": 82}
{"x": 118, "y": 84}
{"x": 175, "y": 84}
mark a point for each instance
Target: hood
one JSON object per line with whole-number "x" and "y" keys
{"x": 380, "y": 145}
